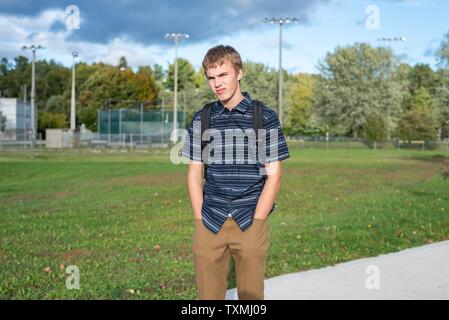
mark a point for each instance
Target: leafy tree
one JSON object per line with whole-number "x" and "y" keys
{"x": 416, "y": 124}
{"x": 186, "y": 75}
{"x": 159, "y": 74}
{"x": 260, "y": 82}
{"x": 145, "y": 84}
{"x": 123, "y": 63}
{"x": 51, "y": 120}
{"x": 442, "y": 87}
{"x": 57, "y": 104}
{"x": 113, "y": 88}
{"x": 299, "y": 103}
{"x": 356, "y": 81}
{"x": 419, "y": 121}
{"x": 442, "y": 100}
{"x": 375, "y": 130}
{"x": 421, "y": 76}
{"x": 5, "y": 67}
{"x": 443, "y": 52}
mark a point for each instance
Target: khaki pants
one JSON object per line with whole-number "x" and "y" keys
{"x": 212, "y": 255}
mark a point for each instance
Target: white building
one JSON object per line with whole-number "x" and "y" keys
{"x": 18, "y": 119}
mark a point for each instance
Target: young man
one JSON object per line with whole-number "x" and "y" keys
{"x": 232, "y": 207}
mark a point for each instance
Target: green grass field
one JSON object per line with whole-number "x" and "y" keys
{"x": 125, "y": 218}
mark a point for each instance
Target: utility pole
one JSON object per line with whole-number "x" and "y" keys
{"x": 176, "y": 37}
{"x": 281, "y": 22}
{"x": 25, "y": 114}
{"x": 33, "y": 126}
{"x": 73, "y": 102}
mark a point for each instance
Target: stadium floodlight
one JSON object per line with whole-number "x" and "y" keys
{"x": 281, "y": 22}
{"x": 73, "y": 101}
{"x": 176, "y": 37}
{"x": 33, "y": 125}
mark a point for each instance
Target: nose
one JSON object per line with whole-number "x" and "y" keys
{"x": 217, "y": 83}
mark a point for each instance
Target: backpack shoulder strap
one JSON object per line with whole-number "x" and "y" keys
{"x": 205, "y": 122}
{"x": 258, "y": 124}
{"x": 257, "y": 117}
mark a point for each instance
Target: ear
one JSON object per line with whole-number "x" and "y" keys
{"x": 240, "y": 75}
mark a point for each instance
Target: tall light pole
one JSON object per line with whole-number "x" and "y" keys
{"x": 281, "y": 22}
{"x": 73, "y": 103}
{"x": 389, "y": 40}
{"x": 176, "y": 37}
{"x": 33, "y": 126}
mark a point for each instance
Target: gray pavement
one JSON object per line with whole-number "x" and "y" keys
{"x": 416, "y": 273}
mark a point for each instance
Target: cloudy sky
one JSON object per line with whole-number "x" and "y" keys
{"x": 135, "y": 29}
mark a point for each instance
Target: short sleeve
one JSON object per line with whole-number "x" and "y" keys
{"x": 275, "y": 144}
{"x": 192, "y": 143}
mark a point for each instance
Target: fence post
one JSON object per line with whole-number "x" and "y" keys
{"x": 141, "y": 121}
{"x": 109, "y": 126}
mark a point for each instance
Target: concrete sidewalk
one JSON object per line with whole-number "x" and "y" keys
{"x": 417, "y": 273}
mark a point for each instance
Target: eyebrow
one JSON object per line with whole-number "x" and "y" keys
{"x": 221, "y": 74}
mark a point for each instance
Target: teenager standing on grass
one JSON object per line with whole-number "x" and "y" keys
{"x": 232, "y": 206}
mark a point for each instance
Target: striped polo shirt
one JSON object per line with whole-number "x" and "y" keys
{"x": 234, "y": 182}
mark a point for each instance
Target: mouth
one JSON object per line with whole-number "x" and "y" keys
{"x": 220, "y": 91}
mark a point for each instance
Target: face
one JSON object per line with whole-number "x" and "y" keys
{"x": 224, "y": 81}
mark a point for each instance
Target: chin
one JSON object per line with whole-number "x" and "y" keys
{"x": 224, "y": 98}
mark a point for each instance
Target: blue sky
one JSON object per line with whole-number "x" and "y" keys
{"x": 135, "y": 29}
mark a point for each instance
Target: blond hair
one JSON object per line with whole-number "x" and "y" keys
{"x": 220, "y": 54}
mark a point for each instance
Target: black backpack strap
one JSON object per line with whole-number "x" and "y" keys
{"x": 258, "y": 124}
{"x": 257, "y": 117}
{"x": 205, "y": 124}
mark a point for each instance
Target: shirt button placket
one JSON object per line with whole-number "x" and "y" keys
{"x": 229, "y": 115}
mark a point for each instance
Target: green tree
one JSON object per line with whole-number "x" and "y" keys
{"x": 15, "y": 75}
{"x": 419, "y": 121}
{"x": 299, "y": 103}
{"x": 416, "y": 124}
{"x": 199, "y": 78}
{"x": 421, "y": 76}
{"x": 442, "y": 88}
{"x": 260, "y": 81}
{"x": 57, "y": 104}
{"x": 47, "y": 120}
{"x": 186, "y": 75}
{"x": 443, "y": 52}
{"x": 159, "y": 73}
{"x": 5, "y": 67}
{"x": 354, "y": 82}
{"x": 375, "y": 130}
{"x": 145, "y": 83}
{"x": 113, "y": 88}
{"x": 123, "y": 63}
{"x": 442, "y": 100}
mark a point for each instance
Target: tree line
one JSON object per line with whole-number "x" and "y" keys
{"x": 359, "y": 91}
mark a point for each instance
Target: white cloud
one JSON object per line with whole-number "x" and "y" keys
{"x": 16, "y": 31}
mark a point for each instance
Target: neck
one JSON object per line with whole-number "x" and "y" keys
{"x": 233, "y": 100}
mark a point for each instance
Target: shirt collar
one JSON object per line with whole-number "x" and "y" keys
{"x": 242, "y": 106}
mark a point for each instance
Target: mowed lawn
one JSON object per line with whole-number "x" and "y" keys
{"x": 125, "y": 218}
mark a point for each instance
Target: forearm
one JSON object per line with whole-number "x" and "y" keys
{"x": 195, "y": 184}
{"x": 268, "y": 196}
